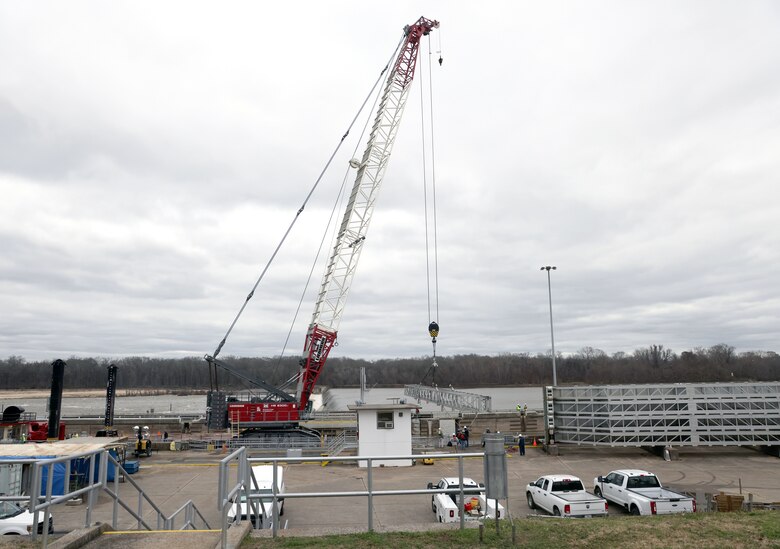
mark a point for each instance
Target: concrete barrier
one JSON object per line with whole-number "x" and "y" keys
{"x": 80, "y": 537}
{"x": 236, "y": 534}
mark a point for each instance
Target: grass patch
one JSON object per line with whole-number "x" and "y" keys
{"x": 712, "y": 530}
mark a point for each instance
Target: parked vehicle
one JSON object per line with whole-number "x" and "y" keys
{"x": 640, "y": 493}
{"x": 15, "y": 520}
{"x": 564, "y": 496}
{"x": 262, "y": 497}
{"x": 476, "y": 506}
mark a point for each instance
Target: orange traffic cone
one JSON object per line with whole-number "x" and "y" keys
{"x": 534, "y": 441}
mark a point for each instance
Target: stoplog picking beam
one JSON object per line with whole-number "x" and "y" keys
{"x": 457, "y": 400}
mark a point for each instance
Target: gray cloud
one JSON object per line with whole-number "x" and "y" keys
{"x": 149, "y": 166}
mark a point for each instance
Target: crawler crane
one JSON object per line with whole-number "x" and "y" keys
{"x": 278, "y": 410}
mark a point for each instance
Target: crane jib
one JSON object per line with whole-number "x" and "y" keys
{"x": 342, "y": 264}
{"x": 403, "y": 72}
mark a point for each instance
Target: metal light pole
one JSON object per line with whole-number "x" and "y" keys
{"x": 548, "y": 268}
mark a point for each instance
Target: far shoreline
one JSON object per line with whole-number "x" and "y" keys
{"x": 91, "y": 393}
{"x": 150, "y": 391}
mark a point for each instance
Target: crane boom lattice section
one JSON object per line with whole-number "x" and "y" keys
{"x": 457, "y": 400}
{"x": 370, "y": 173}
{"x": 352, "y": 232}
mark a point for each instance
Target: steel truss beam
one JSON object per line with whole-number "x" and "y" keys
{"x": 457, "y": 400}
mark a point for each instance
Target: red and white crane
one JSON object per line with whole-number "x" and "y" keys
{"x": 279, "y": 408}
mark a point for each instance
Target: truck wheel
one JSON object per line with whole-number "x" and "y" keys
{"x": 530, "y": 499}
{"x": 635, "y": 510}
{"x": 597, "y": 492}
{"x": 556, "y": 512}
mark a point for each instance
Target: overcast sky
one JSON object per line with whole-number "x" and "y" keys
{"x": 152, "y": 155}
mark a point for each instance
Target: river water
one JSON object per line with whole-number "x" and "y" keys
{"x": 503, "y": 398}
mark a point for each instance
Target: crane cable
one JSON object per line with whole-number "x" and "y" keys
{"x": 433, "y": 325}
{"x": 306, "y": 200}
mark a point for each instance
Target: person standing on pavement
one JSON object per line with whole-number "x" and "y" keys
{"x": 487, "y": 431}
{"x": 521, "y": 444}
{"x": 466, "y": 436}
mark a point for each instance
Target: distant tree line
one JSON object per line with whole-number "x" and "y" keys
{"x": 654, "y": 364}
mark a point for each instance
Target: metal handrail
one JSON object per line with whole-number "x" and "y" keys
{"x": 42, "y": 503}
{"x": 226, "y": 493}
{"x": 48, "y": 500}
{"x": 190, "y": 511}
{"x": 369, "y": 492}
{"x": 141, "y": 497}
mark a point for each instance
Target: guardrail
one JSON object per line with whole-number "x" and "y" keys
{"x": 189, "y": 510}
{"x": 256, "y": 443}
{"x": 42, "y": 496}
{"x": 42, "y": 501}
{"x": 332, "y": 416}
{"x": 228, "y": 494}
{"x": 340, "y": 442}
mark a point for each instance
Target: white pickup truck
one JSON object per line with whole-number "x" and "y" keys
{"x": 640, "y": 493}
{"x": 476, "y": 505}
{"x": 564, "y": 496}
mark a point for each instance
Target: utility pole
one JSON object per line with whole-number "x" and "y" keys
{"x": 548, "y": 268}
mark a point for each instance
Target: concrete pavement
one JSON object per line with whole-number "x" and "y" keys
{"x": 171, "y": 478}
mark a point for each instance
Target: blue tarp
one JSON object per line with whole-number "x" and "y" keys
{"x": 57, "y": 480}
{"x": 78, "y": 467}
{"x": 81, "y": 467}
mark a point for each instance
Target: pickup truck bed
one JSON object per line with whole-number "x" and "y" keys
{"x": 641, "y": 493}
{"x": 666, "y": 501}
{"x": 576, "y": 497}
{"x": 565, "y": 496}
{"x": 447, "y": 506}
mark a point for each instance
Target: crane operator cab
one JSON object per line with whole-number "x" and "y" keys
{"x": 143, "y": 441}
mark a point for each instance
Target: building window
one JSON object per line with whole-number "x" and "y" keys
{"x": 384, "y": 420}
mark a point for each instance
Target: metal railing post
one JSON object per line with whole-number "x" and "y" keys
{"x": 462, "y": 503}
{"x": 370, "y": 464}
{"x": 90, "y": 495}
{"x": 115, "y": 510}
{"x": 47, "y": 510}
{"x": 223, "y": 536}
{"x": 275, "y": 501}
{"x": 140, "y": 508}
{"x": 34, "y": 493}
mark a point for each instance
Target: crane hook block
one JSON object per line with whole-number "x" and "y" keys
{"x": 433, "y": 329}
